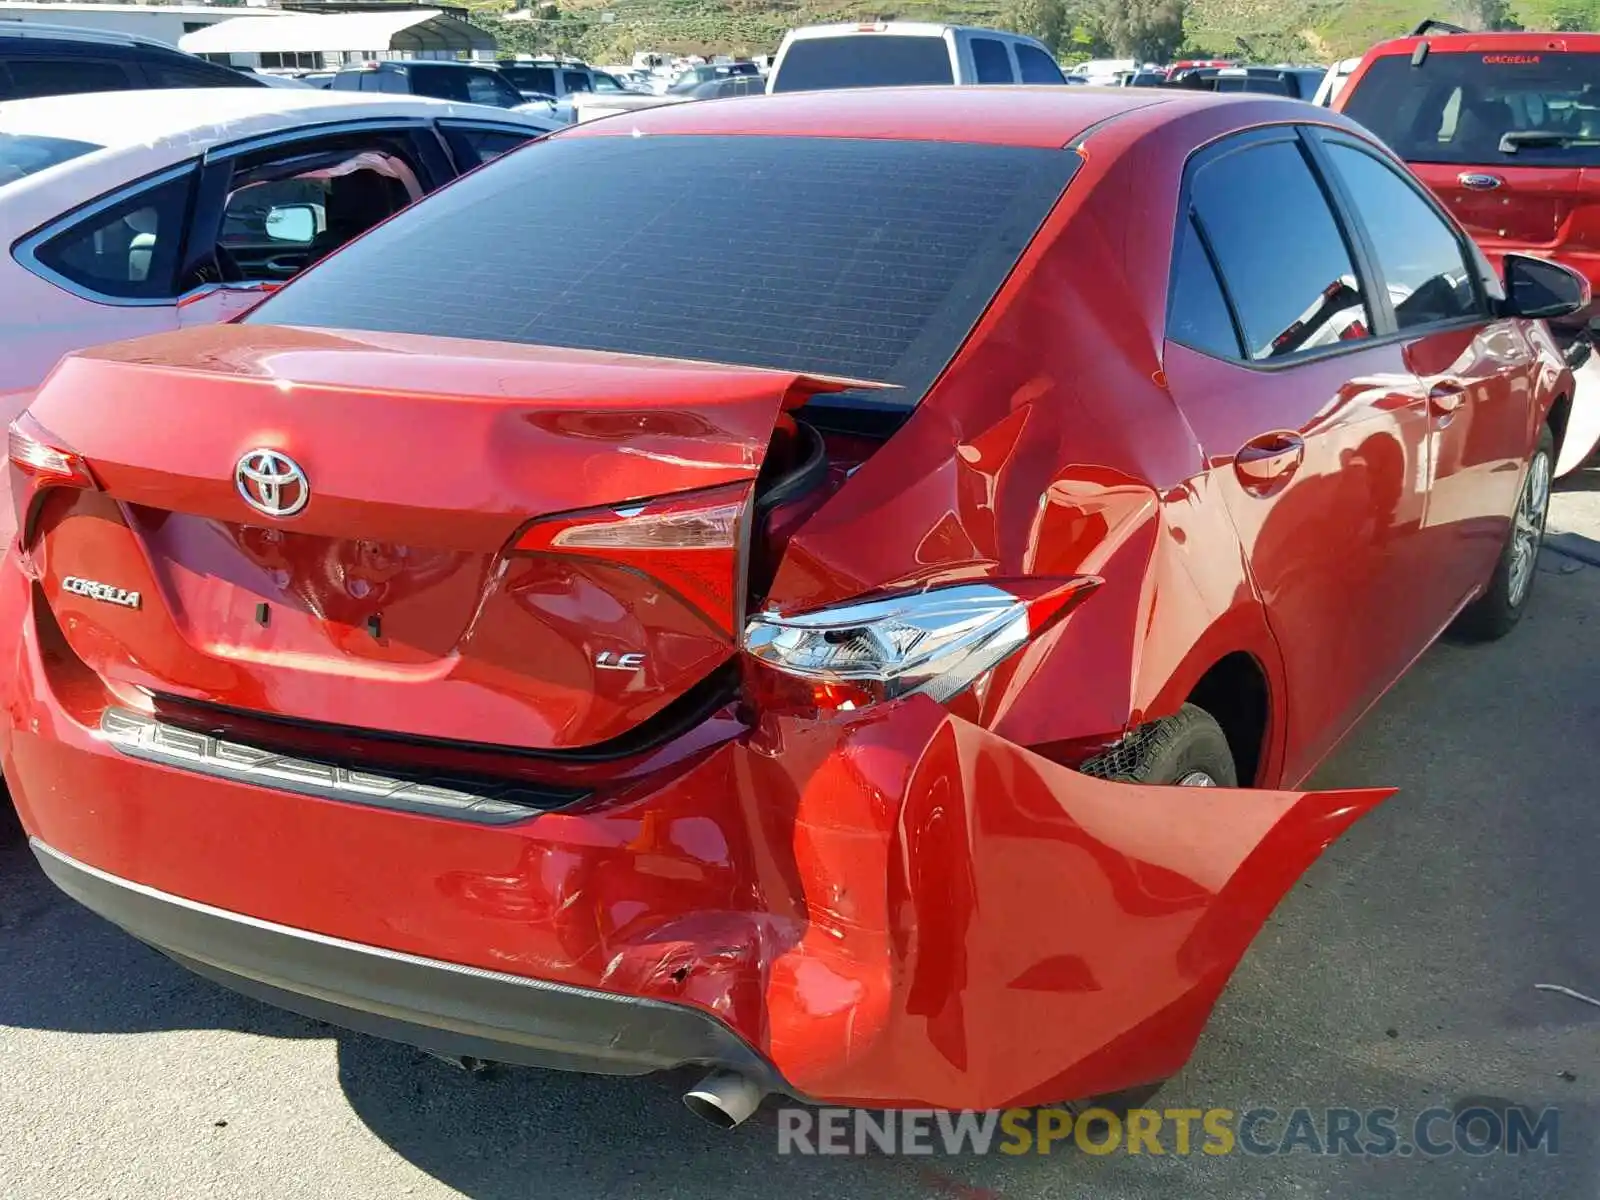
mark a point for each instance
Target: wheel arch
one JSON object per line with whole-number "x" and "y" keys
{"x": 1235, "y": 673}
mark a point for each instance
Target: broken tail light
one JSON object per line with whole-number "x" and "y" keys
{"x": 39, "y": 461}
{"x": 693, "y": 542}
{"x": 935, "y": 642}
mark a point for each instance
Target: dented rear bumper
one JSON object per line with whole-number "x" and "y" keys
{"x": 891, "y": 908}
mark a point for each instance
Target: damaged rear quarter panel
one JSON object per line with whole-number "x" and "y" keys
{"x": 1051, "y": 447}
{"x": 986, "y": 928}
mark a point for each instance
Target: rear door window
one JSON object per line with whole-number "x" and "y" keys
{"x": 1198, "y": 311}
{"x": 576, "y": 81}
{"x": 1036, "y": 65}
{"x": 1283, "y": 257}
{"x": 863, "y": 60}
{"x": 474, "y": 145}
{"x": 531, "y": 79}
{"x": 1428, "y": 275}
{"x": 1459, "y": 107}
{"x": 128, "y": 251}
{"x": 163, "y": 74}
{"x": 442, "y": 83}
{"x": 64, "y": 76}
{"x": 991, "y": 60}
{"x": 864, "y": 258}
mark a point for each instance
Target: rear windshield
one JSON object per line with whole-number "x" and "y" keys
{"x": 865, "y": 258}
{"x": 22, "y": 154}
{"x": 1456, "y": 107}
{"x": 863, "y": 60}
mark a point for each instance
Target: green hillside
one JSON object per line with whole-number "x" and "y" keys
{"x": 1272, "y": 30}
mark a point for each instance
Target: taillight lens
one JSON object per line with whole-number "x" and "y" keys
{"x": 40, "y": 460}
{"x": 700, "y": 521}
{"x": 934, "y": 643}
{"x": 694, "y": 542}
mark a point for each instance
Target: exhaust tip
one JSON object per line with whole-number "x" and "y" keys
{"x": 724, "y": 1099}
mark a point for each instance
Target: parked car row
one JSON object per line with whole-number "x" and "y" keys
{"x": 610, "y": 673}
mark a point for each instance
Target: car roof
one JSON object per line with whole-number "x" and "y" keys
{"x": 1048, "y": 117}
{"x": 904, "y": 28}
{"x": 1466, "y": 43}
{"x": 408, "y": 63}
{"x": 141, "y": 118}
{"x": 34, "y": 32}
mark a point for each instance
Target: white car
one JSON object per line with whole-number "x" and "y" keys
{"x": 907, "y": 53}
{"x": 129, "y": 213}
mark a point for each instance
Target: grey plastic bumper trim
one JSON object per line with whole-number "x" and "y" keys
{"x": 448, "y": 1008}
{"x": 143, "y": 737}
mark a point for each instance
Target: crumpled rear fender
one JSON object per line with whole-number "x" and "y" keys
{"x": 987, "y": 928}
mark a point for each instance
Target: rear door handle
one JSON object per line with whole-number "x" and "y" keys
{"x": 1268, "y": 460}
{"x": 1445, "y": 398}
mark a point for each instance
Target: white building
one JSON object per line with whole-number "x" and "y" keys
{"x": 327, "y": 40}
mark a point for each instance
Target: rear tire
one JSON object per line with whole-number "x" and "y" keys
{"x": 1496, "y": 613}
{"x": 1187, "y": 748}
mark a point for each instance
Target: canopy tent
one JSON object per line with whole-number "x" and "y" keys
{"x": 411, "y": 31}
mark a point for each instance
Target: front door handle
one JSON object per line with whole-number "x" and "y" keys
{"x": 1266, "y": 461}
{"x": 1445, "y": 398}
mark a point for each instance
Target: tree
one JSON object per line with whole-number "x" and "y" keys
{"x": 1486, "y": 14}
{"x": 1043, "y": 19}
{"x": 1148, "y": 30}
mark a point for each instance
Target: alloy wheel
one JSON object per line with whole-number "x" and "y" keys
{"x": 1527, "y": 533}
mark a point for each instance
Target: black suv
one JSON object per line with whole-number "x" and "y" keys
{"x": 57, "y": 60}
{"x": 443, "y": 80}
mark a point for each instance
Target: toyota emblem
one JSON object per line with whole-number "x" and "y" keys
{"x": 272, "y": 483}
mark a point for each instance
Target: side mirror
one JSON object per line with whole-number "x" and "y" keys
{"x": 292, "y": 223}
{"x": 1542, "y": 290}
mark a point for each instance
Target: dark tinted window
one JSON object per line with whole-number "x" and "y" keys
{"x": 576, "y": 81}
{"x": 1198, "y": 313}
{"x": 129, "y": 251}
{"x": 477, "y": 146}
{"x": 1456, "y": 107}
{"x": 863, "y": 258}
{"x": 531, "y": 79}
{"x": 443, "y": 83}
{"x": 486, "y": 87}
{"x": 179, "y": 74}
{"x": 63, "y": 76}
{"x": 1282, "y": 257}
{"x": 347, "y": 81}
{"x": 991, "y": 61}
{"x": 863, "y": 60}
{"x": 1036, "y": 65}
{"x": 1274, "y": 85}
{"x": 1421, "y": 260}
{"x": 23, "y": 154}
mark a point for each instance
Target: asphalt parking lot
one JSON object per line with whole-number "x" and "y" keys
{"x": 1400, "y": 973}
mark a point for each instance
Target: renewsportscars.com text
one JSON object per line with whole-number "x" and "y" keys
{"x": 1360, "y": 1133}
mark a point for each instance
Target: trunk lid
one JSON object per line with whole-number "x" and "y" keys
{"x": 394, "y": 599}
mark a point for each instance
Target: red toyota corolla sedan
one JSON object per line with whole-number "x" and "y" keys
{"x": 843, "y": 614}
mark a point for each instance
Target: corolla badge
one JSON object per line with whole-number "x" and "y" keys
{"x": 272, "y": 483}
{"x": 96, "y": 590}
